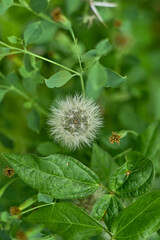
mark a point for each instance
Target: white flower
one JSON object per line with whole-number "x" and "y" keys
{"x": 75, "y": 121}
{"x": 94, "y": 4}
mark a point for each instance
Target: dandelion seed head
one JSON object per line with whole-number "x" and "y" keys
{"x": 75, "y": 121}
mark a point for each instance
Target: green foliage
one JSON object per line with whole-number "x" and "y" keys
{"x": 52, "y": 49}
{"x": 140, "y": 219}
{"x": 60, "y": 218}
{"x": 58, "y": 79}
{"x": 134, "y": 178}
{"x": 59, "y": 176}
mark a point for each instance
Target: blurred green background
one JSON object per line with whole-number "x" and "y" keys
{"x": 133, "y": 29}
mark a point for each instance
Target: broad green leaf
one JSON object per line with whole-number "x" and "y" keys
{"x": 58, "y": 79}
{"x": 97, "y": 79}
{"x": 33, "y": 120}
{"x": 3, "y": 93}
{"x": 4, "y": 5}
{"x": 139, "y": 220}
{"x": 32, "y": 33}
{"x": 48, "y": 148}
{"x": 103, "y": 47}
{"x": 100, "y": 207}
{"x": 107, "y": 208}
{"x": 44, "y": 198}
{"x": 114, "y": 80}
{"x": 102, "y": 163}
{"x": 39, "y": 6}
{"x": 100, "y": 77}
{"x": 67, "y": 220}
{"x": 89, "y": 58}
{"x": 59, "y": 176}
{"x": 114, "y": 208}
{"x": 134, "y": 178}
{"x": 148, "y": 143}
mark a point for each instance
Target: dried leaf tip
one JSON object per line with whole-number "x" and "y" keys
{"x": 115, "y": 138}
{"x": 9, "y": 172}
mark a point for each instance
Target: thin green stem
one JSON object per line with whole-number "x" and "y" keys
{"x": 38, "y": 56}
{"x": 79, "y": 60}
{"x": 2, "y": 190}
{"x": 48, "y": 60}
{"x": 40, "y": 206}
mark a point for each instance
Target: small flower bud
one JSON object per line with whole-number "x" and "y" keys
{"x": 114, "y": 138}
{"x": 58, "y": 17}
{"x": 14, "y": 210}
{"x": 128, "y": 173}
{"x": 9, "y": 172}
{"x": 20, "y": 235}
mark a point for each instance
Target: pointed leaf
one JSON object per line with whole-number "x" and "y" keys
{"x": 67, "y": 220}
{"x": 57, "y": 175}
{"x": 139, "y": 220}
{"x": 32, "y": 33}
{"x": 59, "y": 79}
{"x": 134, "y": 178}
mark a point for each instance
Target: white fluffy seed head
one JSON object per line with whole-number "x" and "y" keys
{"x": 75, "y": 121}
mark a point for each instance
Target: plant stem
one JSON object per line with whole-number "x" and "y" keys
{"x": 79, "y": 60}
{"x": 37, "y": 56}
{"x": 105, "y": 188}
{"x": 40, "y": 206}
{"x": 2, "y": 190}
{"x": 107, "y": 231}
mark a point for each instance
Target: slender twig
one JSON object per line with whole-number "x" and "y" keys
{"x": 40, "y": 206}
{"x": 38, "y": 56}
{"x": 79, "y": 60}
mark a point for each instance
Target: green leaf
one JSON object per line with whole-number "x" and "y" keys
{"x": 114, "y": 80}
{"x": 102, "y": 163}
{"x": 12, "y": 78}
{"x": 44, "y": 198}
{"x": 13, "y": 39}
{"x": 100, "y": 207}
{"x": 32, "y": 33}
{"x": 67, "y": 220}
{"x": 134, "y": 178}
{"x": 139, "y": 220}
{"x": 3, "y": 93}
{"x": 3, "y": 52}
{"x": 100, "y": 77}
{"x": 103, "y": 47}
{"x": 39, "y": 6}
{"x": 27, "y": 62}
{"x": 33, "y": 120}
{"x": 89, "y": 58}
{"x": 114, "y": 208}
{"x": 59, "y": 176}
{"x": 7, "y": 3}
{"x": 48, "y": 148}
{"x": 72, "y": 6}
{"x": 58, "y": 79}
{"x": 148, "y": 143}
{"x": 97, "y": 79}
